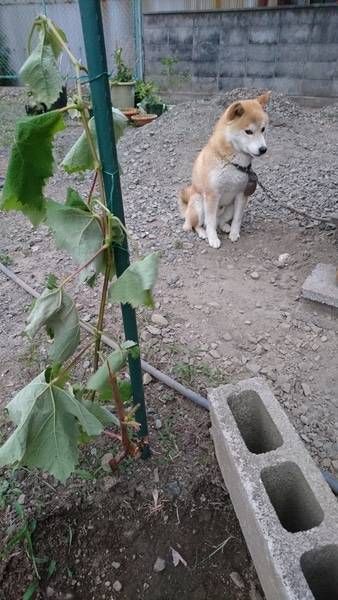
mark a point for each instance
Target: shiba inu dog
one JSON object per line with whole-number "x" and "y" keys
{"x": 222, "y": 172}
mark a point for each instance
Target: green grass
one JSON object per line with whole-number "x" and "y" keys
{"x": 198, "y": 372}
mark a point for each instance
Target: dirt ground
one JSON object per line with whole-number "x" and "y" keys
{"x": 231, "y": 314}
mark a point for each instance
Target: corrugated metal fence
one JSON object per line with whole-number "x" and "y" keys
{"x": 16, "y": 18}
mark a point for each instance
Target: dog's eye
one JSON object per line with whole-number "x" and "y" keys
{"x": 263, "y": 129}
{"x": 248, "y": 132}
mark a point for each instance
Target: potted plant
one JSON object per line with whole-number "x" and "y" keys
{"x": 146, "y": 98}
{"x": 122, "y": 86}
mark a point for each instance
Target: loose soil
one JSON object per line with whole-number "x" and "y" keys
{"x": 224, "y": 324}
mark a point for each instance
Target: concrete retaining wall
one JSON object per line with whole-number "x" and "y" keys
{"x": 287, "y": 512}
{"x": 291, "y": 50}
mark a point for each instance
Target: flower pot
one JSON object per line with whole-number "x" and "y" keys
{"x": 155, "y": 108}
{"x": 130, "y": 112}
{"x": 122, "y": 94}
{"x": 141, "y": 119}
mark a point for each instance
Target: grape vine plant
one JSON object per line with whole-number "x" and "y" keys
{"x": 54, "y": 414}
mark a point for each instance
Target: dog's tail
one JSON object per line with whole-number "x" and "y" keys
{"x": 183, "y": 199}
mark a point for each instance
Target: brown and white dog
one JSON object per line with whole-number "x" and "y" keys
{"x": 221, "y": 171}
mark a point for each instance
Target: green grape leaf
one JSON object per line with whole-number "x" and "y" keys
{"x": 117, "y": 359}
{"x": 135, "y": 284}
{"x": 79, "y": 157}
{"x": 77, "y": 230}
{"x": 30, "y": 164}
{"x": 40, "y": 71}
{"x": 44, "y": 308}
{"x": 53, "y": 42}
{"x": 126, "y": 390}
{"x": 49, "y": 420}
{"x": 65, "y": 327}
{"x": 101, "y": 413}
{"x": 56, "y": 310}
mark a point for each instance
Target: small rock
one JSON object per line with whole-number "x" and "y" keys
{"x": 159, "y": 565}
{"x": 21, "y": 499}
{"x": 323, "y": 338}
{"x": 50, "y": 592}
{"x": 117, "y": 586}
{"x": 335, "y": 465}
{"x": 247, "y": 322}
{"x": 227, "y": 337}
{"x": 158, "y": 423}
{"x": 154, "y": 330}
{"x": 306, "y": 389}
{"x": 147, "y": 378}
{"x": 86, "y": 364}
{"x": 159, "y": 320}
{"x": 254, "y": 368}
{"x": 237, "y": 579}
{"x": 106, "y": 458}
{"x": 109, "y": 483}
{"x": 214, "y": 354}
{"x": 283, "y": 260}
{"x": 115, "y": 565}
{"x": 254, "y": 275}
{"x": 173, "y": 489}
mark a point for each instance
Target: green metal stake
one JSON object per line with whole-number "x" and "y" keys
{"x": 92, "y": 28}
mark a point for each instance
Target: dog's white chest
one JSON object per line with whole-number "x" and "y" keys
{"x": 226, "y": 179}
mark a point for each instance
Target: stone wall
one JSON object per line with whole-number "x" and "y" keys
{"x": 291, "y": 50}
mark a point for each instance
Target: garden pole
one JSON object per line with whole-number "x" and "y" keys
{"x": 92, "y": 28}
{"x": 138, "y": 38}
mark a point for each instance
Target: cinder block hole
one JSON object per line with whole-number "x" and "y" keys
{"x": 292, "y": 497}
{"x": 257, "y": 428}
{"x": 320, "y": 568}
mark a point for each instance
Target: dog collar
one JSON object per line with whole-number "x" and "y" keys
{"x": 246, "y": 170}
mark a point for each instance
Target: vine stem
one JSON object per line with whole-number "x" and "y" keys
{"x": 92, "y": 187}
{"x": 72, "y": 275}
{"x": 99, "y": 326}
{"x": 78, "y": 356}
{"x": 106, "y": 224}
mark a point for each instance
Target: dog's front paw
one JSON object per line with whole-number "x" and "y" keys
{"x": 234, "y": 236}
{"x": 214, "y": 242}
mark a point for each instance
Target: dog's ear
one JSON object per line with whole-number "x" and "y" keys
{"x": 264, "y": 99}
{"x": 235, "y": 110}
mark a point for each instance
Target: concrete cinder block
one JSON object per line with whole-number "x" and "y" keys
{"x": 232, "y": 69}
{"x": 263, "y": 35}
{"x": 295, "y": 34}
{"x": 315, "y": 87}
{"x": 181, "y": 43}
{"x": 323, "y": 52}
{"x": 319, "y": 70}
{"x": 321, "y": 285}
{"x": 230, "y": 83}
{"x": 287, "y": 512}
{"x": 263, "y": 52}
{"x": 259, "y": 68}
{"x": 289, "y": 69}
{"x": 231, "y": 53}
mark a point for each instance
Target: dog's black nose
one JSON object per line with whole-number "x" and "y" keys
{"x": 262, "y": 150}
